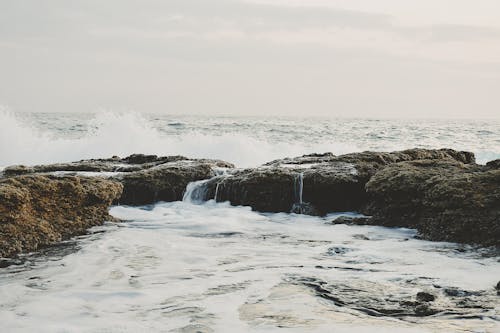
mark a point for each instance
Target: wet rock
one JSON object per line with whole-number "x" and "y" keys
{"x": 423, "y": 310}
{"x": 338, "y": 250}
{"x": 495, "y": 164}
{"x": 264, "y": 189}
{"x": 164, "y": 182}
{"x": 329, "y": 183}
{"x": 304, "y": 208}
{"x": 425, "y": 297}
{"x": 353, "y": 220}
{"x": 360, "y": 237}
{"x": 444, "y": 200}
{"x": 146, "y": 178}
{"x": 39, "y": 210}
{"x": 131, "y": 163}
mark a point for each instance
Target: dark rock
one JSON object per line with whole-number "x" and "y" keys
{"x": 360, "y": 237}
{"x": 165, "y": 182}
{"x": 131, "y": 163}
{"x": 424, "y": 310}
{"x": 330, "y": 183}
{"x": 338, "y": 250}
{"x": 39, "y": 210}
{"x": 445, "y": 200}
{"x": 264, "y": 189}
{"x": 353, "y": 220}
{"x": 146, "y": 178}
{"x": 495, "y": 164}
{"x": 497, "y": 287}
{"x": 304, "y": 208}
{"x": 140, "y": 159}
{"x": 425, "y": 297}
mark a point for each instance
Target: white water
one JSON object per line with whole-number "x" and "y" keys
{"x": 299, "y": 186}
{"x": 124, "y": 134}
{"x": 196, "y": 192}
{"x": 49, "y": 138}
{"x": 215, "y": 268}
{"x": 193, "y": 266}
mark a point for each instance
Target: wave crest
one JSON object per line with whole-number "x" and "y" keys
{"x": 122, "y": 134}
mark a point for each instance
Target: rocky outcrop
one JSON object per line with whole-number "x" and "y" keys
{"x": 164, "y": 182}
{"x": 442, "y": 193}
{"x": 146, "y": 179}
{"x": 263, "y": 189}
{"x": 329, "y": 183}
{"x": 443, "y": 199}
{"x": 39, "y": 210}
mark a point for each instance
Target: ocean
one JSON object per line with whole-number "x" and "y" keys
{"x": 31, "y": 138}
{"x": 210, "y": 267}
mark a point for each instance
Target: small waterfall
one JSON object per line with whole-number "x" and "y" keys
{"x": 216, "y": 191}
{"x": 301, "y": 207}
{"x": 196, "y": 192}
{"x": 299, "y": 187}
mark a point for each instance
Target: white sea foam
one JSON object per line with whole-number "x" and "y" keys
{"x": 212, "y": 267}
{"x": 48, "y": 138}
{"x": 123, "y": 134}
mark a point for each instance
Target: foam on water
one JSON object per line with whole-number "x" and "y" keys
{"x": 215, "y": 268}
{"x": 111, "y": 134}
{"x": 212, "y": 267}
{"x": 48, "y": 138}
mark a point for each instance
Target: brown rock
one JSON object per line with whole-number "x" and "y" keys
{"x": 165, "y": 182}
{"x": 443, "y": 199}
{"x": 37, "y": 210}
{"x": 330, "y": 183}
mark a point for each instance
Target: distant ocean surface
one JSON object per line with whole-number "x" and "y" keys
{"x": 34, "y": 138}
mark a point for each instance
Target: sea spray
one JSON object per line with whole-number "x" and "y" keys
{"x": 41, "y": 138}
{"x": 108, "y": 134}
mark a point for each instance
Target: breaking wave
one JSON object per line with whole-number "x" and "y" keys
{"x": 50, "y": 137}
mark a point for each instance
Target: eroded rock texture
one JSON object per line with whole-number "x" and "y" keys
{"x": 39, "y": 210}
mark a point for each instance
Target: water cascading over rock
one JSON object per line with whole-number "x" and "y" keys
{"x": 301, "y": 207}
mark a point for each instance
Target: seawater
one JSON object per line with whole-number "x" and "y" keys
{"x": 181, "y": 267}
{"x": 209, "y": 267}
{"x": 32, "y": 138}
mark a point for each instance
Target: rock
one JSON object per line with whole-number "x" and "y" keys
{"x": 497, "y": 287}
{"x": 131, "y": 163}
{"x": 360, "y": 237}
{"x": 444, "y": 200}
{"x": 425, "y": 297}
{"x": 146, "y": 178}
{"x": 424, "y": 310}
{"x": 263, "y": 189}
{"x": 164, "y": 182}
{"x": 39, "y": 210}
{"x": 353, "y": 220}
{"x": 329, "y": 183}
{"x": 495, "y": 164}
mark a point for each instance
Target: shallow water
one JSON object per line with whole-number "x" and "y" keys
{"x": 183, "y": 267}
{"x": 210, "y": 267}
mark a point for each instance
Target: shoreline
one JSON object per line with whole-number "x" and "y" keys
{"x": 442, "y": 193}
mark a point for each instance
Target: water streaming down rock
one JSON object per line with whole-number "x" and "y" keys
{"x": 216, "y": 191}
{"x": 196, "y": 192}
{"x": 301, "y": 207}
{"x": 202, "y": 190}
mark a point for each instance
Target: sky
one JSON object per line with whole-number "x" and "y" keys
{"x": 339, "y": 58}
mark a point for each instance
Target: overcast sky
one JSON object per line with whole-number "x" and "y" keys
{"x": 363, "y": 58}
